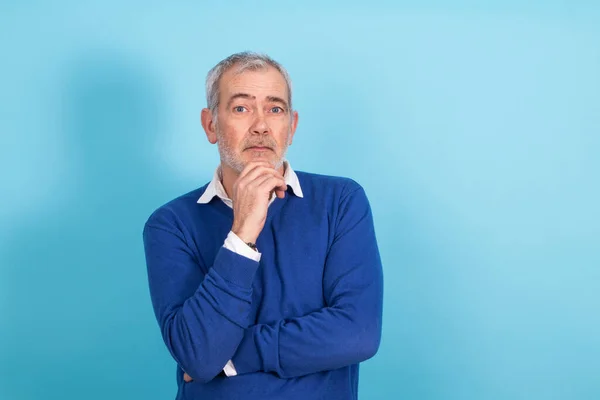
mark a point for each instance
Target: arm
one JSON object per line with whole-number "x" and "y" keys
{"x": 348, "y": 330}
{"x": 202, "y": 312}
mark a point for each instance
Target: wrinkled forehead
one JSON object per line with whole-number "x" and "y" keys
{"x": 260, "y": 82}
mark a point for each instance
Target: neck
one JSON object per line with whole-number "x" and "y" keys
{"x": 229, "y": 176}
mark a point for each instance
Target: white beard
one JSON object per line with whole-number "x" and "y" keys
{"x": 229, "y": 158}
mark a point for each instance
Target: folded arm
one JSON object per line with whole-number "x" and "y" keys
{"x": 202, "y": 310}
{"x": 346, "y": 331}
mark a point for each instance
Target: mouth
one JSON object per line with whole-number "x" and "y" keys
{"x": 258, "y": 148}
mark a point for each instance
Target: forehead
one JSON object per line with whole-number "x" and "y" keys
{"x": 260, "y": 83}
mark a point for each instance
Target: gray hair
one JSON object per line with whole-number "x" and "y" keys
{"x": 244, "y": 61}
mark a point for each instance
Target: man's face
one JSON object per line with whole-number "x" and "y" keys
{"x": 254, "y": 121}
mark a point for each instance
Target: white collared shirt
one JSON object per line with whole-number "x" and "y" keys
{"x": 215, "y": 187}
{"x": 233, "y": 242}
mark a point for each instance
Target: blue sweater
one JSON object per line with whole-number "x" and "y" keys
{"x": 296, "y": 324}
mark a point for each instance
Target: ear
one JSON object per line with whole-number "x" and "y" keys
{"x": 208, "y": 123}
{"x": 293, "y": 127}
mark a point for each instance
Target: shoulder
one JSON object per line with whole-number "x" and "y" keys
{"x": 337, "y": 187}
{"x": 172, "y": 213}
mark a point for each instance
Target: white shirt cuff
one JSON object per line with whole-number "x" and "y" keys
{"x": 229, "y": 368}
{"x": 237, "y": 245}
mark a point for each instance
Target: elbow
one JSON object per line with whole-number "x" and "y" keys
{"x": 372, "y": 346}
{"x": 199, "y": 363}
{"x": 200, "y": 369}
{"x": 369, "y": 341}
{"x": 361, "y": 337}
{"x": 200, "y": 375}
{"x": 369, "y": 347}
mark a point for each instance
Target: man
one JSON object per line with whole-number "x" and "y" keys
{"x": 266, "y": 283}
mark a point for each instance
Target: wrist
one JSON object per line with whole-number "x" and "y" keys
{"x": 245, "y": 236}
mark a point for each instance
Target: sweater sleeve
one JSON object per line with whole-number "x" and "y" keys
{"x": 345, "y": 332}
{"x": 202, "y": 310}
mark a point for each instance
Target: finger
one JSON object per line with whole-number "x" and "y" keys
{"x": 251, "y": 171}
{"x": 187, "y": 378}
{"x": 281, "y": 193}
{"x": 258, "y": 175}
{"x": 278, "y": 192}
{"x": 270, "y": 183}
{"x": 252, "y": 166}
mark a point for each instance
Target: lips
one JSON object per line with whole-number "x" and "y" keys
{"x": 258, "y": 148}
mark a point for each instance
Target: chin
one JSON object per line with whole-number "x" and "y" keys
{"x": 259, "y": 157}
{"x": 274, "y": 161}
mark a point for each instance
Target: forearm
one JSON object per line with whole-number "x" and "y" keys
{"x": 348, "y": 329}
{"x": 328, "y": 339}
{"x": 204, "y": 332}
{"x": 203, "y": 329}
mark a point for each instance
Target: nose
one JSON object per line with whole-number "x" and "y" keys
{"x": 259, "y": 125}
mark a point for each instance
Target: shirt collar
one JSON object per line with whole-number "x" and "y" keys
{"x": 215, "y": 187}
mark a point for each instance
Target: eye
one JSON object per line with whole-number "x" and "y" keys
{"x": 239, "y": 109}
{"x": 277, "y": 110}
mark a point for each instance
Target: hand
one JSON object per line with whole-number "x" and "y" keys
{"x": 251, "y": 194}
{"x": 187, "y": 378}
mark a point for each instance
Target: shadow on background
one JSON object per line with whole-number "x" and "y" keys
{"x": 79, "y": 318}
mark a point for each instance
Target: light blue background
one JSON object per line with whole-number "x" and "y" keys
{"x": 475, "y": 130}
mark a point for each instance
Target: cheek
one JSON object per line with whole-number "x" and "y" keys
{"x": 232, "y": 134}
{"x": 283, "y": 132}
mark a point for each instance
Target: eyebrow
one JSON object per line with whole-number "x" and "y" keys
{"x": 239, "y": 96}
{"x": 275, "y": 99}
{"x": 272, "y": 99}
